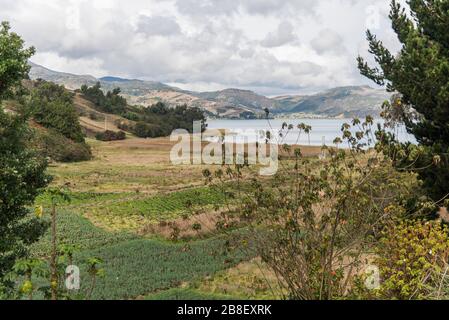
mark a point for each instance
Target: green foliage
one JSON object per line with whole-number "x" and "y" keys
{"x": 111, "y": 136}
{"x": 78, "y": 199}
{"x": 165, "y": 206}
{"x": 160, "y": 120}
{"x": 155, "y": 121}
{"x": 22, "y": 173}
{"x": 311, "y": 222}
{"x": 22, "y": 176}
{"x": 54, "y": 145}
{"x": 420, "y": 74}
{"x": 111, "y": 102}
{"x": 139, "y": 267}
{"x": 52, "y": 106}
{"x": 77, "y": 231}
{"x": 411, "y": 257}
{"x": 34, "y": 280}
{"x": 13, "y": 60}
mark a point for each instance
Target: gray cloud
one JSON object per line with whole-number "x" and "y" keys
{"x": 283, "y": 35}
{"x": 203, "y": 43}
{"x": 327, "y": 41}
{"x": 158, "y": 25}
{"x": 306, "y": 68}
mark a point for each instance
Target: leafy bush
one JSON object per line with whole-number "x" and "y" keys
{"x": 52, "y": 144}
{"x": 312, "y": 221}
{"x": 412, "y": 257}
{"x": 22, "y": 172}
{"x": 111, "y": 136}
{"x": 111, "y": 102}
{"x": 52, "y": 106}
{"x": 160, "y": 120}
{"x": 22, "y": 177}
{"x": 132, "y": 116}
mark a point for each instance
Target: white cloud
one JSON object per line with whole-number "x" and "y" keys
{"x": 283, "y": 35}
{"x": 271, "y": 46}
{"x": 158, "y": 25}
{"x": 327, "y": 41}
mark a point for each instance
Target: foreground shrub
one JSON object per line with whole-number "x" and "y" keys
{"x": 413, "y": 261}
{"x": 313, "y": 222}
{"x": 22, "y": 172}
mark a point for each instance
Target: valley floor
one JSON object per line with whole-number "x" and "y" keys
{"x": 124, "y": 204}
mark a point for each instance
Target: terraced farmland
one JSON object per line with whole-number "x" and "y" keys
{"x": 139, "y": 267}
{"x": 128, "y": 186}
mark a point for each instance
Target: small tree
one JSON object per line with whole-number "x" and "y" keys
{"x": 22, "y": 176}
{"x": 420, "y": 74}
{"x": 22, "y": 173}
{"x": 13, "y": 60}
{"x": 314, "y": 220}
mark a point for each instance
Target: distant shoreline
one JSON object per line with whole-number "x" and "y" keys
{"x": 292, "y": 118}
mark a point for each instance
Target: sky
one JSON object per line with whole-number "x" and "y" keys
{"x": 273, "y": 47}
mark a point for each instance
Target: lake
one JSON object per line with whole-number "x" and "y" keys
{"x": 323, "y": 130}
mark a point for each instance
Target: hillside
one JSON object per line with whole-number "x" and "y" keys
{"x": 338, "y": 102}
{"x": 230, "y": 103}
{"x": 93, "y": 121}
{"x": 244, "y": 98}
{"x": 70, "y": 81}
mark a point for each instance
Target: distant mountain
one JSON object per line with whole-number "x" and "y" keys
{"x": 114, "y": 79}
{"x": 341, "y": 102}
{"x": 236, "y": 97}
{"x": 70, "y": 81}
{"x": 230, "y": 103}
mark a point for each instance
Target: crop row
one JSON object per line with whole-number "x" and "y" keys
{"x": 163, "y": 206}
{"x": 72, "y": 229}
{"x": 139, "y": 267}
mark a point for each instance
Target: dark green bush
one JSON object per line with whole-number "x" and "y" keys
{"x": 111, "y": 102}
{"x": 52, "y": 106}
{"x": 54, "y": 145}
{"x": 160, "y": 120}
{"x": 111, "y": 136}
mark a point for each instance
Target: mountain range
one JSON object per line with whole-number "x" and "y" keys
{"x": 351, "y": 101}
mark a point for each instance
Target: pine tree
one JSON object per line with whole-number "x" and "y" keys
{"x": 419, "y": 74}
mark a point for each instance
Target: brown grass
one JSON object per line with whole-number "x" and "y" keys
{"x": 207, "y": 220}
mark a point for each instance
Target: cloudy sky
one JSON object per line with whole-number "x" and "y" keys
{"x": 269, "y": 46}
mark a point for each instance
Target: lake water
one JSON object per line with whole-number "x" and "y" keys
{"x": 323, "y": 130}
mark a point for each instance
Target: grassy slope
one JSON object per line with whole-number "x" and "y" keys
{"x": 129, "y": 179}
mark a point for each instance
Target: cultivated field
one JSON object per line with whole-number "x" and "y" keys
{"x": 137, "y": 212}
